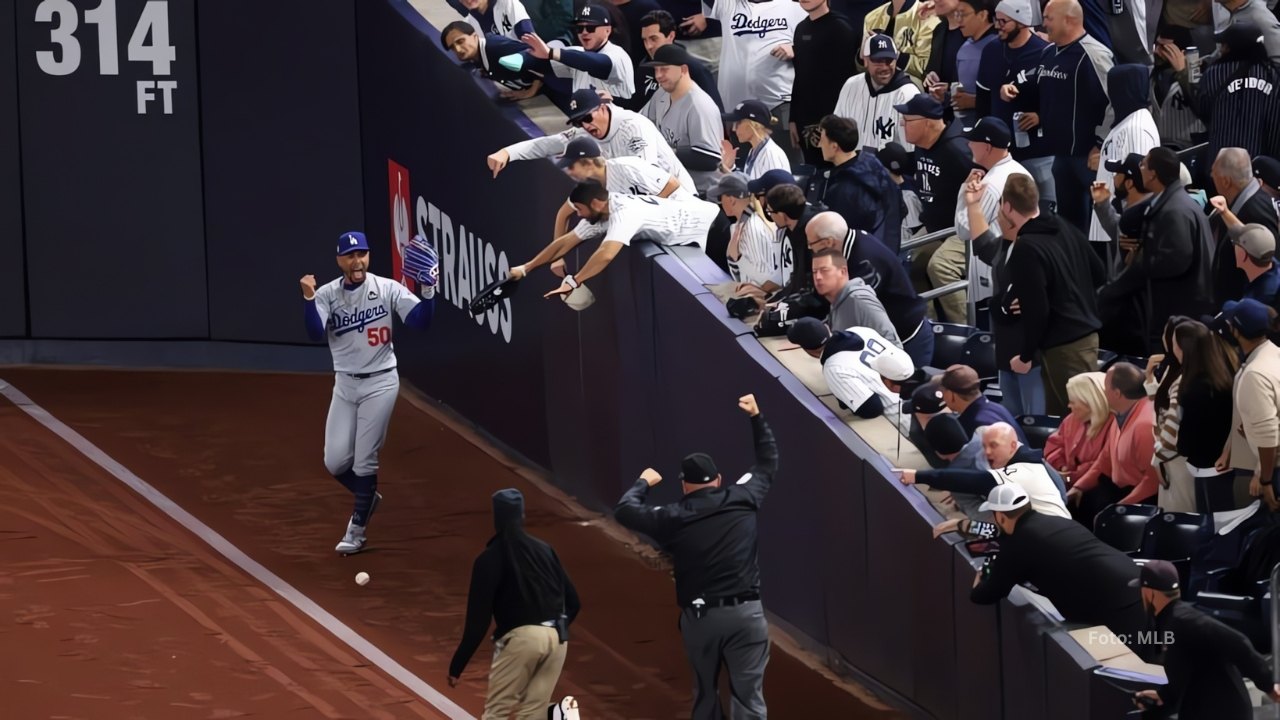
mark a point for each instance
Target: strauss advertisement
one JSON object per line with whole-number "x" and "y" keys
{"x": 467, "y": 261}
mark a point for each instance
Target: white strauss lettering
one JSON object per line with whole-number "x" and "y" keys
{"x": 356, "y": 321}
{"x": 745, "y": 25}
{"x": 467, "y": 264}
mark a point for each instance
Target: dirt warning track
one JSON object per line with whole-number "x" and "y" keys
{"x": 114, "y": 605}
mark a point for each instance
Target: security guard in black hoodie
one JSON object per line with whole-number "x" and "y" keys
{"x": 519, "y": 583}
{"x": 711, "y": 537}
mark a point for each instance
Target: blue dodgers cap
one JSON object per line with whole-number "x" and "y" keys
{"x": 771, "y": 180}
{"x": 1250, "y": 317}
{"x": 921, "y": 104}
{"x": 351, "y": 242}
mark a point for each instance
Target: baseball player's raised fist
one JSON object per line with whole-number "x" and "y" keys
{"x": 308, "y": 283}
{"x": 498, "y": 161}
{"x": 650, "y": 476}
{"x": 748, "y": 405}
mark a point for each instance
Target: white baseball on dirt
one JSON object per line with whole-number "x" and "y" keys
{"x": 362, "y": 578}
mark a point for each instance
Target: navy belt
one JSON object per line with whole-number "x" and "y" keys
{"x": 364, "y": 376}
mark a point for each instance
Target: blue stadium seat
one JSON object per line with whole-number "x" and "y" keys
{"x": 1122, "y": 526}
{"x": 948, "y": 343}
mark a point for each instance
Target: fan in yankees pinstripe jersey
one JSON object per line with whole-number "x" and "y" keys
{"x": 1134, "y": 130}
{"x": 754, "y": 254}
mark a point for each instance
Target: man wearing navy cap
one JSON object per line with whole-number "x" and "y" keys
{"x": 943, "y": 161}
{"x": 1203, "y": 658}
{"x": 1126, "y": 182}
{"x": 989, "y": 142}
{"x": 711, "y": 535}
{"x": 598, "y": 62}
{"x": 353, "y": 314}
{"x": 870, "y": 98}
{"x": 621, "y": 133}
{"x": 685, "y": 114}
{"x": 1257, "y": 397}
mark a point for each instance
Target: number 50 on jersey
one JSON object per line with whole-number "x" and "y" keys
{"x": 75, "y": 28}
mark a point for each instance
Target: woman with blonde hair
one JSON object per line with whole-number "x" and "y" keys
{"x": 754, "y": 255}
{"x": 1076, "y": 447}
{"x": 753, "y": 126}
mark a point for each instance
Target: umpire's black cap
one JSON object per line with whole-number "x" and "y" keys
{"x": 579, "y": 148}
{"x": 582, "y": 103}
{"x": 698, "y": 469}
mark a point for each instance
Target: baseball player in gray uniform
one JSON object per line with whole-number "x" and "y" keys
{"x": 353, "y": 314}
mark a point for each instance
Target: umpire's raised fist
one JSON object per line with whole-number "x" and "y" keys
{"x": 748, "y": 405}
{"x": 650, "y": 476}
{"x": 308, "y": 283}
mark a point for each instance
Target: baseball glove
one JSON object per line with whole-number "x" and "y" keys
{"x": 421, "y": 262}
{"x": 493, "y": 293}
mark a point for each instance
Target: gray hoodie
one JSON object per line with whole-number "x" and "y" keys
{"x": 858, "y": 306}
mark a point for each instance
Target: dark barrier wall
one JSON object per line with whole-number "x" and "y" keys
{"x": 111, "y": 169}
{"x": 13, "y": 293}
{"x": 281, "y": 136}
{"x": 425, "y": 143}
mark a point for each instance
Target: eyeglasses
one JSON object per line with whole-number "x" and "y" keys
{"x": 962, "y": 15}
{"x": 1001, "y": 22}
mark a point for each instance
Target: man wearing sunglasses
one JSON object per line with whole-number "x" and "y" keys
{"x": 598, "y": 62}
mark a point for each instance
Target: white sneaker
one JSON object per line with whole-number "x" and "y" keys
{"x": 353, "y": 541}
{"x": 566, "y": 709}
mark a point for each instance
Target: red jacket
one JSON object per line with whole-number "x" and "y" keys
{"x": 1072, "y": 452}
{"x": 1130, "y": 449}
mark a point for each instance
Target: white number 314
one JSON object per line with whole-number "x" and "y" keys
{"x": 153, "y": 23}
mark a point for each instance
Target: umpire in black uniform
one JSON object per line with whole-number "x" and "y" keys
{"x": 711, "y": 537}
{"x": 1203, "y": 659}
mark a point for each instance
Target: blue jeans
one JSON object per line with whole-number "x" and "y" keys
{"x": 920, "y": 346}
{"x": 1022, "y": 394}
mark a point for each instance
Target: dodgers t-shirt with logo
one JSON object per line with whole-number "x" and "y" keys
{"x": 357, "y": 321}
{"x": 751, "y": 30}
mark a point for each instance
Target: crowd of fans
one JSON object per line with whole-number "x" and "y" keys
{"x": 1093, "y": 184}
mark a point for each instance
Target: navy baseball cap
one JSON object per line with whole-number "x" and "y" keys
{"x": 946, "y": 435}
{"x": 582, "y": 103}
{"x": 881, "y": 47}
{"x": 579, "y": 148}
{"x": 896, "y": 159}
{"x": 771, "y": 180}
{"x": 751, "y": 110}
{"x": 1240, "y": 36}
{"x": 1158, "y": 575}
{"x": 927, "y": 399}
{"x": 351, "y": 242}
{"x": 593, "y": 15}
{"x": 1250, "y": 317}
{"x": 809, "y": 333}
{"x": 990, "y": 130}
{"x": 921, "y": 104}
{"x": 670, "y": 54}
{"x": 1130, "y": 166}
{"x": 1267, "y": 169}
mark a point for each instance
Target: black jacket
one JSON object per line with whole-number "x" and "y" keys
{"x": 1172, "y": 273}
{"x": 516, "y": 581}
{"x": 1228, "y": 280}
{"x": 1055, "y": 276}
{"x": 822, "y": 65}
{"x": 1204, "y": 661}
{"x": 710, "y": 534}
{"x": 864, "y": 194}
{"x": 880, "y": 268}
{"x": 1206, "y": 421}
{"x": 1085, "y": 579}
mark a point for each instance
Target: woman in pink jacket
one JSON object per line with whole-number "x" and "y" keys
{"x": 1075, "y": 447}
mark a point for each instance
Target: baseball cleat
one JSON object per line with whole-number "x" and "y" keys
{"x": 353, "y": 542}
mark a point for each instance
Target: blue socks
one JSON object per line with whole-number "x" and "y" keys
{"x": 348, "y": 480}
{"x": 364, "y": 487}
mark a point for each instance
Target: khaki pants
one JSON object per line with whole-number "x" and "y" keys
{"x": 526, "y": 666}
{"x": 951, "y": 263}
{"x": 1060, "y": 364}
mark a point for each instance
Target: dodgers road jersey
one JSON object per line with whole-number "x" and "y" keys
{"x": 358, "y": 322}
{"x": 664, "y": 221}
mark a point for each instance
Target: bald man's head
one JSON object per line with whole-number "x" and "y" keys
{"x": 999, "y": 443}
{"x": 1063, "y": 21}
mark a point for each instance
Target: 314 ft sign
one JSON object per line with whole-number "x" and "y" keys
{"x": 148, "y": 43}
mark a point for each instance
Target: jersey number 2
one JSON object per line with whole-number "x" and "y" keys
{"x": 379, "y": 336}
